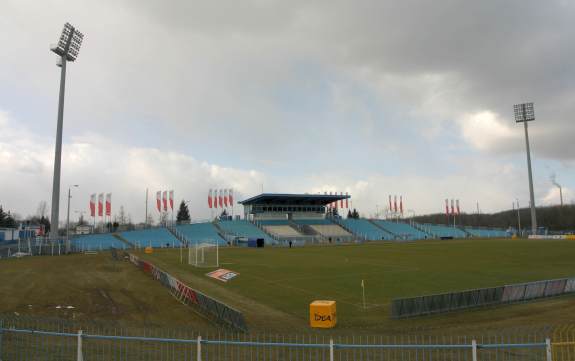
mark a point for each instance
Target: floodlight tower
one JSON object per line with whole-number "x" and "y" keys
{"x": 67, "y": 49}
{"x": 525, "y": 113}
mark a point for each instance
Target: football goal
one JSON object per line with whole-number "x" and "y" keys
{"x": 204, "y": 253}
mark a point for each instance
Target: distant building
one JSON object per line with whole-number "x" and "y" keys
{"x": 85, "y": 229}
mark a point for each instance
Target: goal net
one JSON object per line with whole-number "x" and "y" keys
{"x": 204, "y": 254}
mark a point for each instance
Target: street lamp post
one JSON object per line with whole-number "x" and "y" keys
{"x": 67, "y": 48}
{"x": 68, "y": 219}
{"x": 525, "y": 113}
{"x": 518, "y": 219}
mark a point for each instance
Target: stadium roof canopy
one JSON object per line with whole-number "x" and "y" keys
{"x": 291, "y": 199}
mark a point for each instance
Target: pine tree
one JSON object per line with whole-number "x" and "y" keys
{"x": 9, "y": 221}
{"x": 183, "y": 213}
{"x": 2, "y": 217}
{"x": 46, "y": 222}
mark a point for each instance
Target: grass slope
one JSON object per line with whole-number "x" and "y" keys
{"x": 276, "y": 285}
{"x": 98, "y": 288}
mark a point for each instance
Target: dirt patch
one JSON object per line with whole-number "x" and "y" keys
{"x": 113, "y": 307}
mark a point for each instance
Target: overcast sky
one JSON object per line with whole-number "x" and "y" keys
{"x": 367, "y": 97}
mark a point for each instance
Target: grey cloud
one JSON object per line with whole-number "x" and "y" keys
{"x": 269, "y": 83}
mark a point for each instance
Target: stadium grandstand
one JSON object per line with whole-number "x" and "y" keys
{"x": 296, "y": 217}
{"x": 281, "y": 219}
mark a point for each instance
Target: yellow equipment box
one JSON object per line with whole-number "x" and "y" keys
{"x": 322, "y": 314}
{"x": 148, "y": 250}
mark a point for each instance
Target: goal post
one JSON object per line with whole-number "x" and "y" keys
{"x": 204, "y": 253}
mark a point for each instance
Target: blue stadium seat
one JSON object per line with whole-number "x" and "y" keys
{"x": 95, "y": 242}
{"x": 198, "y": 232}
{"x": 438, "y": 230}
{"x": 401, "y": 230}
{"x": 486, "y": 232}
{"x": 155, "y": 237}
{"x": 365, "y": 229}
{"x": 243, "y": 228}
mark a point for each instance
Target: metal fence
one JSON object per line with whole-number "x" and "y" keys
{"x": 37, "y": 247}
{"x": 563, "y": 343}
{"x": 210, "y": 307}
{"x": 100, "y": 343}
{"x": 445, "y": 302}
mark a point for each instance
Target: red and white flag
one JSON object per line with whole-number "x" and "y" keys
{"x": 109, "y": 204}
{"x": 100, "y": 204}
{"x": 401, "y": 204}
{"x": 452, "y": 208}
{"x": 346, "y": 201}
{"x": 93, "y": 205}
{"x": 215, "y": 198}
{"x": 457, "y": 206}
{"x": 210, "y": 198}
{"x": 159, "y": 200}
{"x": 231, "y": 195}
{"x": 447, "y": 207}
{"x": 226, "y": 198}
{"x": 341, "y": 200}
{"x": 221, "y": 199}
{"x": 165, "y": 200}
{"x": 395, "y": 204}
{"x": 172, "y": 200}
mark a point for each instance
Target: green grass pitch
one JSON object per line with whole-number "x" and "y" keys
{"x": 276, "y": 285}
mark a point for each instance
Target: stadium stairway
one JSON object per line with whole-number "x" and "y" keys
{"x": 155, "y": 237}
{"x": 364, "y": 229}
{"x": 222, "y": 233}
{"x": 243, "y": 228}
{"x": 340, "y": 223}
{"x": 467, "y": 233}
{"x": 382, "y": 228}
{"x": 122, "y": 239}
{"x": 441, "y": 231}
{"x": 420, "y": 228}
{"x": 306, "y": 229}
{"x": 199, "y": 232}
{"x": 261, "y": 227}
{"x": 179, "y": 236}
{"x": 401, "y": 230}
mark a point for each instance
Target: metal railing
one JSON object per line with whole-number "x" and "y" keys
{"x": 453, "y": 301}
{"x": 207, "y": 305}
{"x": 25, "y": 343}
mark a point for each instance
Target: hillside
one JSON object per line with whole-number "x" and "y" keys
{"x": 555, "y": 218}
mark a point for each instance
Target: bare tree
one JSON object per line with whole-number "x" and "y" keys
{"x": 121, "y": 218}
{"x": 150, "y": 220}
{"x": 163, "y": 218}
{"x": 42, "y": 209}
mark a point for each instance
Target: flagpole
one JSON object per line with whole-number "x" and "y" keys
{"x": 146, "y": 219}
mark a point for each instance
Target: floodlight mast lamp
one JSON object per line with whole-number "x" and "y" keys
{"x": 525, "y": 113}
{"x": 67, "y": 48}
